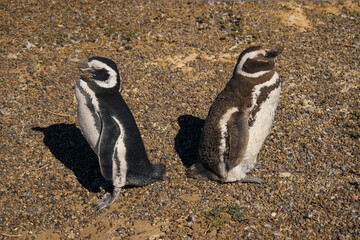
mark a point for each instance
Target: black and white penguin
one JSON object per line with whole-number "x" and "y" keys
{"x": 110, "y": 128}
{"x": 240, "y": 119}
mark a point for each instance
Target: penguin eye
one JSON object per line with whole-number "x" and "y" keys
{"x": 260, "y": 53}
{"x": 97, "y": 67}
{"x": 101, "y": 74}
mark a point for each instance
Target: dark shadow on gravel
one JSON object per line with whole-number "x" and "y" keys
{"x": 188, "y": 137}
{"x": 68, "y": 145}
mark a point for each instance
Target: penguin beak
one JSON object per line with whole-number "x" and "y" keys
{"x": 273, "y": 52}
{"x": 87, "y": 72}
{"x": 81, "y": 64}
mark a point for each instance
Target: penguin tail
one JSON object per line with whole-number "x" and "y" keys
{"x": 138, "y": 179}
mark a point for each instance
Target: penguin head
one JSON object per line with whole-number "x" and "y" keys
{"x": 256, "y": 61}
{"x": 99, "y": 72}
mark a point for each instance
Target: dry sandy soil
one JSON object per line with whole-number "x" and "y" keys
{"x": 174, "y": 58}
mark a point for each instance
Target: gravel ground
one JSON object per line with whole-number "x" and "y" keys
{"x": 174, "y": 58}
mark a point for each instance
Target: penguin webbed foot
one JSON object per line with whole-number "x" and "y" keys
{"x": 252, "y": 179}
{"x": 108, "y": 198}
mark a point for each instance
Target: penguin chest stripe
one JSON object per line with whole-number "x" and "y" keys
{"x": 87, "y": 115}
{"x": 264, "y": 94}
{"x": 119, "y": 158}
{"x": 273, "y": 80}
{"x": 224, "y": 131}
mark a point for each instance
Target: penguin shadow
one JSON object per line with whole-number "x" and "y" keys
{"x": 68, "y": 145}
{"x": 188, "y": 138}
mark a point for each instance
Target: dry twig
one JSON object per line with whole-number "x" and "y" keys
{"x": 9, "y": 235}
{"x": 344, "y": 44}
{"x": 58, "y": 114}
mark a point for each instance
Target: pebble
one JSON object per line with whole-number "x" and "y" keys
{"x": 275, "y": 233}
{"x": 285, "y": 174}
{"x": 29, "y": 45}
{"x": 3, "y": 112}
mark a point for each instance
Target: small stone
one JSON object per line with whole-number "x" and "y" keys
{"x": 191, "y": 218}
{"x": 12, "y": 55}
{"x": 276, "y": 233}
{"x": 120, "y": 230}
{"x": 3, "y": 112}
{"x": 284, "y": 174}
{"x": 29, "y": 45}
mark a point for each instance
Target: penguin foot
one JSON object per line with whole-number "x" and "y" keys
{"x": 252, "y": 179}
{"x": 108, "y": 199}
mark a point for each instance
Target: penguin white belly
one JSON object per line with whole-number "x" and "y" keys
{"x": 86, "y": 116}
{"x": 119, "y": 158}
{"x": 257, "y": 135}
{"x": 87, "y": 121}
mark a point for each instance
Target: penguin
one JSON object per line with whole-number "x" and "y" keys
{"x": 239, "y": 120}
{"x": 110, "y": 128}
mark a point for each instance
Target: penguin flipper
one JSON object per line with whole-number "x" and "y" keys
{"x": 109, "y": 135}
{"x": 237, "y": 140}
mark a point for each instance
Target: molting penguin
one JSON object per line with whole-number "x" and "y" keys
{"x": 240, "y": 119}
{"x": 110, "y": 128}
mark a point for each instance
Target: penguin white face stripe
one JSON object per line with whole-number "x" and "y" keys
{"x": 119, "y": 164}
{"x": 112, "y": 81}
{"x": 250, "y": 55}
{"x": 223, "y": 131}
{"x": 247, "y": 56}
